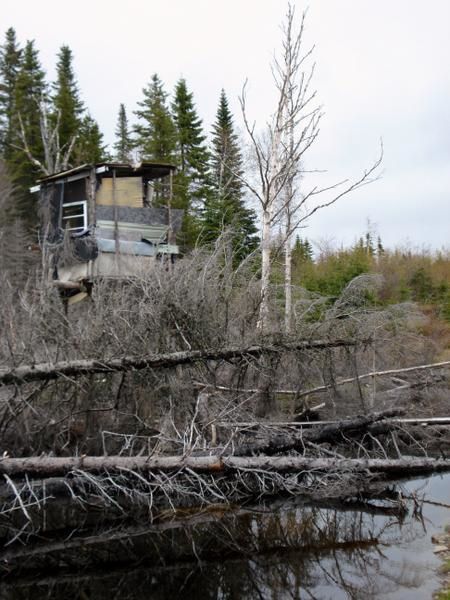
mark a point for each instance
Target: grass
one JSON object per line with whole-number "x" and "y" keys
{"x": 445, "y": 568}
{"x": 445, "y": 571}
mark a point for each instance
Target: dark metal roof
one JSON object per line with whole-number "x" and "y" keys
{"x": 147, "y": 169}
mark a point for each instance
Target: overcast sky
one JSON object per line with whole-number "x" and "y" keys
{"x": 382, "y": 72}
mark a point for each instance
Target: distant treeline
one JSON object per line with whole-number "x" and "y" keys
{"x": 208, "y": 184}
{"x": 407, "y": 274}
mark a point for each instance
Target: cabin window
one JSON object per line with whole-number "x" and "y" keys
{"x": 74, "y": 216}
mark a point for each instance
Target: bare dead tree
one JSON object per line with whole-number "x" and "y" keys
{"x": 280, "y": 153}
{"x": 56, "y": 157}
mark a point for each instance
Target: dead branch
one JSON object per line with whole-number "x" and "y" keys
{"x": 56, "y": 157}
{"x": 324, "y": 388}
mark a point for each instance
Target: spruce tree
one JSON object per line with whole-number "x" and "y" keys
{"x": 90, "y": 148}
{"x": 124, "y": 144}
{"x": 226, "y": 206}
{"x": 302, "y": 251}
{"x": 192, "y": 152}
{"x": 155, "y": 131}
{"x": 66, "y": 98}
{"x": 10, "y": 59}
{"x": 380, "y": 247}
{"x": 30, "y": 88}
{"x": 192, "y": 160}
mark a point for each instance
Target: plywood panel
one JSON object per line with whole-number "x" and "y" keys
{"x": 128, "y": 192}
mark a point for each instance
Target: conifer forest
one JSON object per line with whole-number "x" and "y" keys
{"x": 198, "y": 399}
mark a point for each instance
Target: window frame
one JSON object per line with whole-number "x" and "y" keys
{"x": 83, "y": 214}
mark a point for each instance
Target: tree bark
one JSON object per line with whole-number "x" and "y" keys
{"x": 57, "y": 466}
{"x": 293, "y": 440}
{"x": 76, "y": 368}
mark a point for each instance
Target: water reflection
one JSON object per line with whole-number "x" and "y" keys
{"x": 289, "y": 551}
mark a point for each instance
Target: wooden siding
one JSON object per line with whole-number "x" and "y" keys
{"x": 128, "y": 192}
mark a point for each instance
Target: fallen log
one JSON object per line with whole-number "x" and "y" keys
{"x": 76, "y": 368}
{"x": 56, "y": 466}
{"x": 320, "y": 433}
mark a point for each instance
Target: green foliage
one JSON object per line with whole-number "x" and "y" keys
{"x": 10, "y": 60}
{"x": 302, "y": 252}
{"x": 191, "y": 183}
{"x": 90, "y": 148}
{"x": 30, "y": 87}
{"x": 192, "y": 153}
{"x": 66, "y": 98}
{"x": 334, "y": 271}
{"x": 225, "y": 207}
{"x": 421, "y": 285}
{"x": 407, "y": 275}
{"x": 443, "y": 595}
{"x": 156, "y": 135}
{"x": 124, "y": 144}
{"x": 17, "y": 260}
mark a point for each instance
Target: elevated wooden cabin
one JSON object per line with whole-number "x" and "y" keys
{"x": 107, "y": 220}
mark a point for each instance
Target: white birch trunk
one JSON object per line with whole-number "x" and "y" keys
{"x": 290, "y": 210}
{"x": 267, "y": 222}
{"x": 288, "y": 284}
{"x": 265, "y": 271}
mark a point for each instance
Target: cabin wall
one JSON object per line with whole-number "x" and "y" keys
{"x": 135, "y": 224}
{"x": 129, "y": 192}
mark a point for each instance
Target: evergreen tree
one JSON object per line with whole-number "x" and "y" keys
{"x": 192, "y": 160}
{"x": 124, "y": 144}
{"x": 90, "y": 148}
{"x": 380, "y": 247}
{"x": 369, "y": 243}
{"x": 10, "y": 58}
{"x": 226, "y": 206}
{"x": 66, "y": 98}
{"x": 302, "y": 251}
{"x": 156, "y": 131}
{"x": 192, "y": 152}
{"x": 30, "y": 88}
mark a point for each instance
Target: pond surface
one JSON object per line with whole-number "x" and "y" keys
{"x": 284, "y": 550}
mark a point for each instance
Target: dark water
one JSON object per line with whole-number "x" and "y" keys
{"x": 284, "y": 550}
